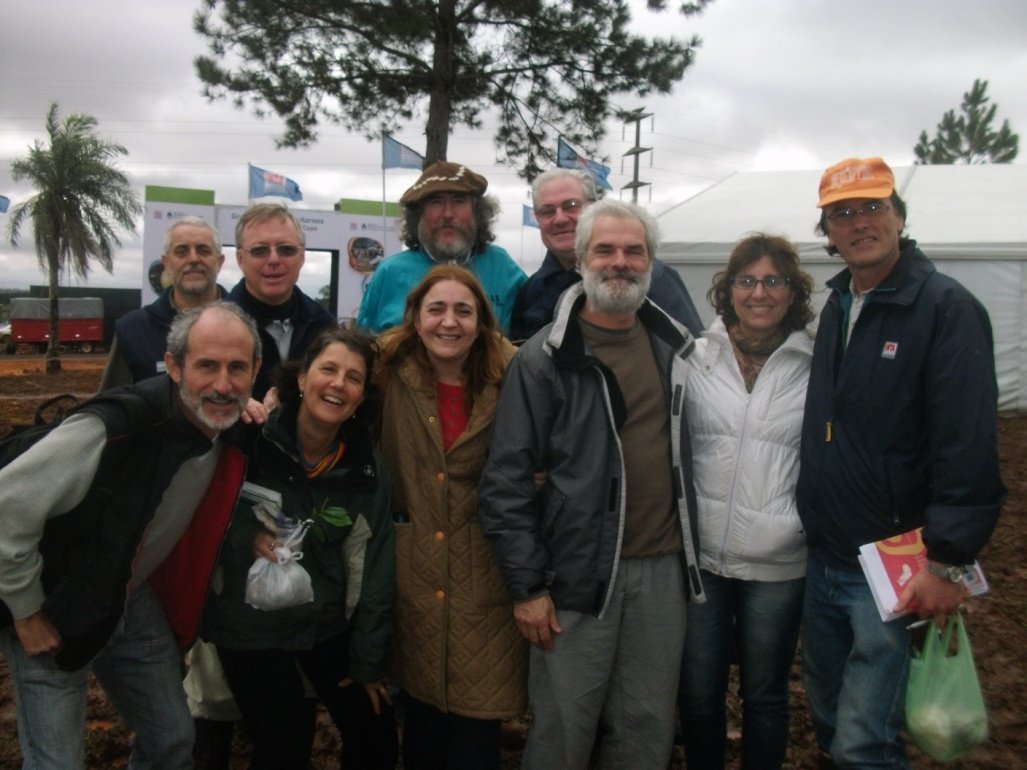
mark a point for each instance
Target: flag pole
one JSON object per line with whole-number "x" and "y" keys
{"x": 384, "y": 217}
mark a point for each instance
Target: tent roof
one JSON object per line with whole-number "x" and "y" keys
{"x": 968, "y": 211}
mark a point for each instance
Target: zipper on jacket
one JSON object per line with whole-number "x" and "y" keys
{"x": 828, "y": 432}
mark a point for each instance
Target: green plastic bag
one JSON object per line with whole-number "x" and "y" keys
{"x": 945, "y": 714}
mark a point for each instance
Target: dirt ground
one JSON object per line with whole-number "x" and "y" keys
{"x": 997, "y": 622}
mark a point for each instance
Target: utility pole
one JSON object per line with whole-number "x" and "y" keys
{"x": 636, "y": 117}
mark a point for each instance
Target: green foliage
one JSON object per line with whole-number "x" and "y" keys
{"x": 969, "y": 137}
{"x": 548, "y": 66}
{"x": 80, "y": 198}
{"x": 324, "y": 296}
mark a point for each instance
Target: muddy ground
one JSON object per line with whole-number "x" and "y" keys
{"x": 997, "y": 623}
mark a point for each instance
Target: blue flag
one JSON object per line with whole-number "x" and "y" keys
{"x": 528, "y": 218}
{"x": 5, "y": 202}
{"x": 269, "y": 183}
{"x": 396, "y": 155}
{"x": 567, "y": 157}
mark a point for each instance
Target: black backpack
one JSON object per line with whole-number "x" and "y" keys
{"x": 118, "y": 408}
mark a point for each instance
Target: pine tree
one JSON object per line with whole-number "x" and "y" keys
{"x": 547, "y": 67}
{"x": 969, "y": 138}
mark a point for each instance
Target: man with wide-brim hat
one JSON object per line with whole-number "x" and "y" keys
{"x": 447, "y": 218}
{"x": 899, "y": 432}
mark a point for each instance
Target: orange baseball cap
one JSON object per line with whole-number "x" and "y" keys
{"x": 856, "y": 178}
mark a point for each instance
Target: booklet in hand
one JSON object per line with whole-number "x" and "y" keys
{"x": 891, "y": 563}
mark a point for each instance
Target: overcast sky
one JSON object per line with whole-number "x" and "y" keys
{"x": 777, "y": 84}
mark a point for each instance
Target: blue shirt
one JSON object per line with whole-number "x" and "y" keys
{"x": 382, "y": 305}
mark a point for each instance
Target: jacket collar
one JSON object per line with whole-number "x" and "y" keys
{"x": 357, "y": 461}
{"x": 902, "y": 284}
{"x": 800, "y": 340}
{"x": 565, "y": 343}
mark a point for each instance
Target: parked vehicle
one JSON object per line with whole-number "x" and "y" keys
{"x": 5, "y": 338}
{"x": 79, "y": 324}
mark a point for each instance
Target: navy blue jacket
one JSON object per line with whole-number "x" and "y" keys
{"x": 900, "y": 425}
{"x": 308, "y": 320}
{"x": 536, "y": 299}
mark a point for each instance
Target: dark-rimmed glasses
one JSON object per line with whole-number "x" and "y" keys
{"x": 770, "y": 283}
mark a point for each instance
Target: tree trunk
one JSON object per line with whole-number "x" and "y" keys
{"x": 444, "y": 73}
{"x": 53, "y": 357}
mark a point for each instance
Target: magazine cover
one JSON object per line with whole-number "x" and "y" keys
{"x": 891, "y": 563}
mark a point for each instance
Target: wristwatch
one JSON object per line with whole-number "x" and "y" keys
{"x": 951, "y": 572}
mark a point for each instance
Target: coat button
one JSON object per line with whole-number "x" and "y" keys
{"x": 440, "y": 535}
{"x": 440, "y": 595}
{"x": 440, "y": 477}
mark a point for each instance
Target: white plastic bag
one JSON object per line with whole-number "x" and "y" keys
{"x": 276, "y": 585}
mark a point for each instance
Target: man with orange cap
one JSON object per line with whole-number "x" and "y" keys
{"x": 446, "y": 218}
{"x": 899, "y": 433}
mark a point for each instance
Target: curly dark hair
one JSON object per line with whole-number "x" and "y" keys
{"x": 286, "y": 375}
{"x": 785, "y": 258}
{"x": 486, "y": 211}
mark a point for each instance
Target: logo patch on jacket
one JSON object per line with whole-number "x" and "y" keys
{"x": 889, "y": 350}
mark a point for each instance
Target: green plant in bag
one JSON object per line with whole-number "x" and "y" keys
{"x": 945, "y": 714}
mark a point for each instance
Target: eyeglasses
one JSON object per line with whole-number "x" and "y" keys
{"x": 263, "y": 252}
{"x": 847, "y": 214}
{"x": 770, "y": 283}
{"x": 569, "y": 206}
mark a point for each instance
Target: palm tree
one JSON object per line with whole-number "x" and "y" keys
{"x": 80, "y": 197}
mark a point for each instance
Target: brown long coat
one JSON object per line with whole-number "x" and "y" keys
{"x": 456, "y": 646}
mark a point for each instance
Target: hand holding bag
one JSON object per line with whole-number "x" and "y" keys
{"x": 276, "y": 585}
{"x": 945, "y": 714}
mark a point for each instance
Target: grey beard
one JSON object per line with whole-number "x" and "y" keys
{"x": 457, "y": 252}
{"x": 620, "y": 301}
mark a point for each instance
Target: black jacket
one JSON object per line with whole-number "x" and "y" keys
{"x": 559, "y": 411}
{"x": 308, "y": 320}
{"x": 900, "y": 425}
{"x": 88, "y": 552}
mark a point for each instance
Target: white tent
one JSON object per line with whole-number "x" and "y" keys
{"x": 971, "y": 221}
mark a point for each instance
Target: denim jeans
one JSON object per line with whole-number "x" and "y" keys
{"x": 620, "y": 671}
{"x": 141, "y": 671}
{"x": 854, "y": 670}
{"x": 763, "y": 619}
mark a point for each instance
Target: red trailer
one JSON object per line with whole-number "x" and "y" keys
{"x": 79, "y": 325}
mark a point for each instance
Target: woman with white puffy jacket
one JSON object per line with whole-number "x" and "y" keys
{"x": 745, "y": 396}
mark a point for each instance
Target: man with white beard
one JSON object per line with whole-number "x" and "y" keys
{"x": 588, "y": 500}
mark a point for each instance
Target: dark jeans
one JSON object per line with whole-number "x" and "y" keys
{"x": 766, "y": 617}
{"x": 269, "y": 692}
{"x": 433, "y": 740}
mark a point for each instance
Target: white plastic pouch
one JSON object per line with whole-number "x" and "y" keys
{"x": 277, "y": 585}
